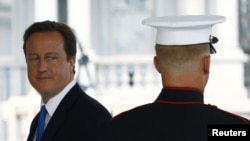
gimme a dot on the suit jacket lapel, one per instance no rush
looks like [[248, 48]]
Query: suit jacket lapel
[[61, 113], [33, 129]]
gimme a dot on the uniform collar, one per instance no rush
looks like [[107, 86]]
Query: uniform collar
[[173, 95]]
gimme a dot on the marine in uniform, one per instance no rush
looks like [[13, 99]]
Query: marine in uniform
[[179, 112]]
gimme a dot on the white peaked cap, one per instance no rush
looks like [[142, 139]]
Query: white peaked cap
[[183, 29]]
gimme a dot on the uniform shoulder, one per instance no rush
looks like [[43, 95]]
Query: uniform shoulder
[[231, 115], [135, 112]]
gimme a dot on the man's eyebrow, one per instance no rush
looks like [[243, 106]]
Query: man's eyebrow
[[51, 53], [32, 54]]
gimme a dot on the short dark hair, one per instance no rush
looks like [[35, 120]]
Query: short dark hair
[[46, 26]]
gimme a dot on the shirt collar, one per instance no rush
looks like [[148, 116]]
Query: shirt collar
[[53, 103]]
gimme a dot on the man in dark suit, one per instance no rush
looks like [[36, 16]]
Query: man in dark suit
[[70, 114], [183, 47]]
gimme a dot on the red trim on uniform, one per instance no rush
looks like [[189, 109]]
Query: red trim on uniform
[[176, 102], [237, 116], [183, 88]]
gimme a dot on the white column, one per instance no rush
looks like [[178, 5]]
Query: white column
[[187, 7], [45, 10], [226, 83], [22, 16]]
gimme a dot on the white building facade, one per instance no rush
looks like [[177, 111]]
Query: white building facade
[[116, 53]]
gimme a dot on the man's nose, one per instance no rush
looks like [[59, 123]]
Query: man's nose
[[42, 66]]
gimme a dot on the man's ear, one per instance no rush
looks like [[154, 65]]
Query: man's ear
[[206, 64], [156, 64], [72, 62]]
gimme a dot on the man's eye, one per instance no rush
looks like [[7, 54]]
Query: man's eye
[[51, 58], [33, 59]]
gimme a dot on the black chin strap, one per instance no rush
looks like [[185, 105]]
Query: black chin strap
[[212, 40]]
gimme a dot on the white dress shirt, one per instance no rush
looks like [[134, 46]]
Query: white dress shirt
[[53, 103]]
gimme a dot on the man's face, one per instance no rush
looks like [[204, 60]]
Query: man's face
[[48, 69]]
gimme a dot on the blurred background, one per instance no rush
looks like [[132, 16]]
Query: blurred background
[[115, 54]]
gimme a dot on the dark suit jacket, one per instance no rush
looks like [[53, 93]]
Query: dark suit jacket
[[77, 117], [176, 115]]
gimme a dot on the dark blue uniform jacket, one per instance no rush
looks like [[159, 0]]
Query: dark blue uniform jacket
[[176, 115]]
